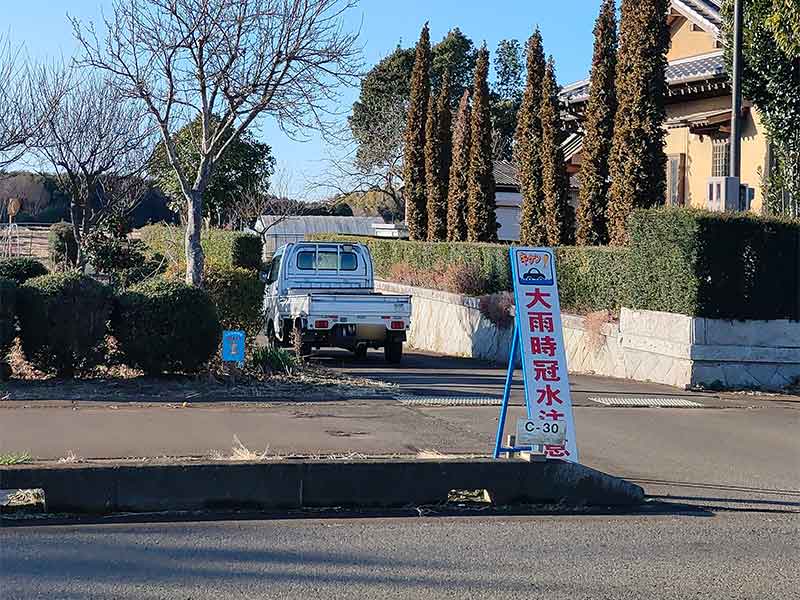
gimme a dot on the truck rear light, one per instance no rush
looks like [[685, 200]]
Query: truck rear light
[[320, 324], [398, 325]]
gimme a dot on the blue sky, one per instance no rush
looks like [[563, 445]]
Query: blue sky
[[566, 27]]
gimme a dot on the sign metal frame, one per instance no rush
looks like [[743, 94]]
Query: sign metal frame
[[534, 277]]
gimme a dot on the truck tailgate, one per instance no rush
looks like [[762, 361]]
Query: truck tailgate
[[367, 305]]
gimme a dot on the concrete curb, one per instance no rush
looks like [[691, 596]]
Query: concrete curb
[[319, 483]]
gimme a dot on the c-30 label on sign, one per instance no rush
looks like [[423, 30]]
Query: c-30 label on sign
[[536, 433]]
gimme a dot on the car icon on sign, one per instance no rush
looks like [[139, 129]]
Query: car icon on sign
[[533, 274]]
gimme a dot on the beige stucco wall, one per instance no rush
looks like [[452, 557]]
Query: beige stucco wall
[[698, 150], [685, 43]]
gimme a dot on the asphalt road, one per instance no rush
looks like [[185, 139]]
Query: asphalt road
[[730, 555], [742, 452], [727, 476]]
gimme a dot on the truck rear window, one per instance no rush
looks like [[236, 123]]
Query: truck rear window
[[326, 261]]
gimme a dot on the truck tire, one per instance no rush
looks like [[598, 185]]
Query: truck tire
[[393, 351], [360, 351], [272, 339]]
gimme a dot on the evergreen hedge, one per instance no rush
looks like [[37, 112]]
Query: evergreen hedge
[[589, 278], [61, 245], [21, 269], [63, 322], [716, 265], [238, 295], [732, 266], [221, 247], [166, 327], [8, 330]]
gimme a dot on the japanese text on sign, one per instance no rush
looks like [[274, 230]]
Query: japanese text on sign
[[550, 422]]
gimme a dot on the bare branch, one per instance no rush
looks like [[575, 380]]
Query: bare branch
[[96, 143], [228, 62]]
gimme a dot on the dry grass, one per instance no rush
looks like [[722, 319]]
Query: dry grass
[[19, 498], [70, 457], [594, 322], [240, 452], [426, 454]]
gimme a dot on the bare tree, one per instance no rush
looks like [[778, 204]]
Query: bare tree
[[374, 162], [96, 143], [19, 120], [227, 62]]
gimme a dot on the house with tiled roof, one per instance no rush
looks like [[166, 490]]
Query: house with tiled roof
[[508, 200], [698, 107]]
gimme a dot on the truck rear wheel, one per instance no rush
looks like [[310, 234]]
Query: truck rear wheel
[[360, 351], [393, 351]]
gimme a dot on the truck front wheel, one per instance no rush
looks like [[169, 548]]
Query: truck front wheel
[[393, 351]]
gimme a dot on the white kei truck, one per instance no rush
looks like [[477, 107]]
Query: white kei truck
[[323, 294]]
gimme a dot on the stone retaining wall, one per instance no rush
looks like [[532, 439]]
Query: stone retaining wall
[[644, 345]]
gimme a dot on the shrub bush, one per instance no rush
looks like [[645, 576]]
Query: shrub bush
[[456, 277], [221, 248], [716, 265], [21, 269], [589, 278], [499, 309], [246, 251], [62, 246], [238, 295], [8, 302], [166, 327], [63, 322]]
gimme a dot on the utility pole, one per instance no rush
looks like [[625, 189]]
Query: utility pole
[[736, 92]]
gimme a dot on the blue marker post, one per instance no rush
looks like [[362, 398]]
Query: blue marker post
[[233, 351]]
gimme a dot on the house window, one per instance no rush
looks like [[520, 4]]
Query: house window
[[676, 175], [720, 156]]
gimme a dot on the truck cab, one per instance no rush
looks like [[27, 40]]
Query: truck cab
[[321, 294]]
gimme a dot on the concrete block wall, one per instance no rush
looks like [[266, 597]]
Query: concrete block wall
[[644, 345]]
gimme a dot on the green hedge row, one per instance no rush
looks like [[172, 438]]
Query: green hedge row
[[589, 278], [716, 265], [221, 248], [686, 261]]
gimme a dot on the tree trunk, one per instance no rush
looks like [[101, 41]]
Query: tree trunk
[[194, 251], [76, 215]]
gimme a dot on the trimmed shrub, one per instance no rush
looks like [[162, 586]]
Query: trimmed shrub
[[589, 278], [238, 295], [62, 246], [221, 248], [8, 302], [166, 327], [246, 251], [716, 265], [21, 269], [63, 321]]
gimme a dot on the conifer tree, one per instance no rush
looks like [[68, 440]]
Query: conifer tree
[[438, 156], [599, 127], [481, 217], [459, 171], [527, 139], [555, 183], [414, 150], [638, 162]]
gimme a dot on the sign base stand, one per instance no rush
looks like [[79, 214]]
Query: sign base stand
[[511, 448]]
